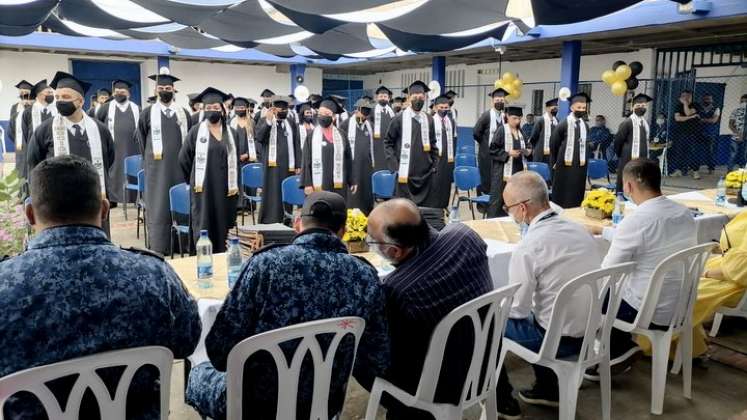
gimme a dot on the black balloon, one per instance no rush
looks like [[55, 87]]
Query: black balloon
[[632, 83], [617, 64], [636, 68]]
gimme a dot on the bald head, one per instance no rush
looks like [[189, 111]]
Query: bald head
[[397, 227]]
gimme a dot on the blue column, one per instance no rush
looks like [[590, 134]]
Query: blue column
[[295, 71], [438, 71], [570, 62], [163, 61]]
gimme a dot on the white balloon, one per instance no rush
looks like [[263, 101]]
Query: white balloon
[[435, 89], [163, 71], [301, 93], [564, 93]]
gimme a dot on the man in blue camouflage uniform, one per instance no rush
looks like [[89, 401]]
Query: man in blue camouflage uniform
[[73, 293], [314, 278]]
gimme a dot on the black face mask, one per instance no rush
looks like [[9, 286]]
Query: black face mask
[[24, 97], [383, 102], [366, 112], [553, 112], [325, 121], [640, 111], [417, 104], [213, 116], [120, 98], [308, 119], [579, 114], [66, 108], [397, 108], [499, 106], [49, 99], [443, 113], [282, 115], [166, 96], [241, 114]]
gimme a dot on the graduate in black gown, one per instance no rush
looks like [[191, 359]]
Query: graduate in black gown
[[453, 112], [243, 124], [160, 141], [397, 104], [380, 118], [281, 157], [362, 143], [509, 151], [15, 124], [483, 133], [195, 109], [570, 154], [72, 132], [102, 97], [307, 122], [631, 139], [445, 129], [24, 97], [542, 131], [408, 153], [42, 108], [265, 107], [342, 114], [209, 161], [120, 116]]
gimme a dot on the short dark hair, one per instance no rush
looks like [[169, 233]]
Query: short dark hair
[[645, 172], [409, 234], [323, 218], [743, 97], [65, 189], [686, 91], [601, 116]]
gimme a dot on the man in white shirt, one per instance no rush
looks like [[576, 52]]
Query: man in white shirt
[[553, 251], [658, 228]]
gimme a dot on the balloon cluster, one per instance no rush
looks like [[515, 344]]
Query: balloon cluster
[[622, 77], [511, 84]]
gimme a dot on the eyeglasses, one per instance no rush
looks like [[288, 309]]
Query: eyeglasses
[[370, 241], [507, 208]]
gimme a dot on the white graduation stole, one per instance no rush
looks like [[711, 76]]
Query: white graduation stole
[[570, 143], [251, 147], [19, 131], [317, 167], [352, 132], [508, 145], [201, 159], [156, 135], [61, 144], [377, 118], [404, 155], [112, 113], [201, 116], [36, 118], [495, 116], [272, 157], [547, 132], [635, 151], [449, 136]]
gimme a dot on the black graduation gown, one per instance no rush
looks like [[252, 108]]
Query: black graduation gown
[[21, 161], [328, 159], [537, 141], [481, 134], [125, 144], [569, 182], [41, 147], [212, 209], [271, 209], [11, 134], [422, 164], [500, 157], [623, 146], [160, 176], [362, 170], [379, 149], [445, 172]]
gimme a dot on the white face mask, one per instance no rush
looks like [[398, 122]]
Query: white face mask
[[376, 248], [660, 121]]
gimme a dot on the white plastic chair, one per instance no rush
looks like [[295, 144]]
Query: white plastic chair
[[570, 370], [496, 304], [288, 376], [739, 311], [691, 261], [33, 380]]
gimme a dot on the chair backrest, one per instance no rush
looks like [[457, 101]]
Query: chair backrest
[[252, 175], [466, 177], [34, 380], [597, 285], [494, 307], [289, 374], [467, 149], [465, 159], [133, 164], [541, 168], [292, 192], [690, 263], [179, 201], [597, 168], [141, 181], [383, 184]]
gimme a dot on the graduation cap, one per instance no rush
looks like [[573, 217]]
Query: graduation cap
[[339, 99], [580, 97], [121, 84], [451, 94], [230, 97], [164, 79], [191, 97], [514, 111], [500, 92], [38, 87], [364, 103], [315, 98], [442, 99], [267, 93], [417, 87], [103, 91], [331, 104], [241, 101], [280, 101], [24, 85], [367, 97], [152, 99], [67, 80], [552, 102], [398, 99], [302, 107], [383, 89], [211, 96], [642, 98]]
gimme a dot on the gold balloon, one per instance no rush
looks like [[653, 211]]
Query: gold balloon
[[609, 77], [508, 77], [619, 87], [498, 83], [623, 72], [517, 84]]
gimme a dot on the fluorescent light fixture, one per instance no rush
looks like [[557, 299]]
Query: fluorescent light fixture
[[379, 13], [228, 48], [127, 10], [286, 39], [91, 31]]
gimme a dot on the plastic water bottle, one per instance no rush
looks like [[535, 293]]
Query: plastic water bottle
[[454, 215], [204, 261], [619, 212], [721, 193], [233, 257]]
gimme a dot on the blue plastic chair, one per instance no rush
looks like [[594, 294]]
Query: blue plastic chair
[[292, 193], [252, 176], [598, 169], [541, 168], [465, 159], [132, 165], [383, 184], [466, 149], [179, 204], [467, 178], [141, 205], [465, 142]]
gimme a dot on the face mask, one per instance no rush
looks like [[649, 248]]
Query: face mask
[[213, 116], [397, 108], [523, 226], [120, 98], [639, 111], [554, 112], [383, 102], [49, 99], [660, 121], [282, 115], [443, 113], [308, 118], [241, 114], [325, 121], [498, 105], [417, 104], [166, 96], [66, 108], [579, 114], [24, 97]]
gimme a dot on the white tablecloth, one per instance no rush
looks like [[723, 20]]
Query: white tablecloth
[[708, 225]]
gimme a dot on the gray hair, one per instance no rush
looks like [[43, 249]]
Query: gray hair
[[530, 186]]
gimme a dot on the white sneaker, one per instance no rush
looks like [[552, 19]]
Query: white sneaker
[[696, 175], [676, 173]]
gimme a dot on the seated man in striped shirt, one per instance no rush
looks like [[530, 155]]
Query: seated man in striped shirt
[[435, 273]]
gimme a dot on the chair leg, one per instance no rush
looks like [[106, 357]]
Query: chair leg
[[374, 401], [137, 229], [179, 238], [716, 324], [568, 394], [254, 221], [605, 385], [124, 205], [171, 243], [684, 360], [659, 360], [490, 408]]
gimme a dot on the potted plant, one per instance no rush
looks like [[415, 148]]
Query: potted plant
[[599, 204], [355, 231], [13, 231]]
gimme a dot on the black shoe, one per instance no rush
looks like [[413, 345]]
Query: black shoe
[[539, 396], [509, 409]]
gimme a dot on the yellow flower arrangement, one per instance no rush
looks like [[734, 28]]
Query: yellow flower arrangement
[[355, 227], [734, 179], [600, 199]]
